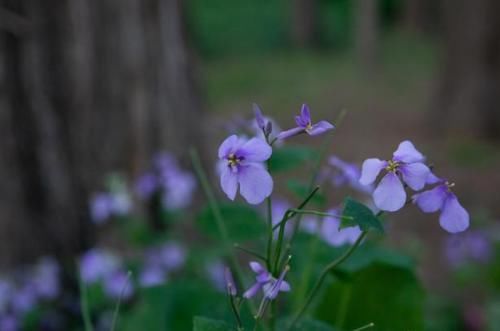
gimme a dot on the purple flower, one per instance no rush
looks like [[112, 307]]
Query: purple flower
[[304, 125], [24, 299], [9, 323], [146, 185], [407, 164], [97, 264], [266, 282], [118, 286], [152, 276], [348, 174], [6, 291], [169, 256], [259, 118], [471, 246], [230, 284], [178, 188], [264, 125], [454, 218], [101, 207], [45, 278], [334, 235], [242, 165]]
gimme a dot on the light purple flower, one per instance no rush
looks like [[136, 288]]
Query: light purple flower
[[178, 188], [170, 256], [146, 185], [152, 276], [101, 207], [6, 292], [45, 278], [242, 165], [406, 165], [215, 272], [118, 286], [334, 235], [266, 282], [348, 174], [454, 218], [24, 299], [472, 246], [230, 283], [305, 125], [9, 323], [97, 264]]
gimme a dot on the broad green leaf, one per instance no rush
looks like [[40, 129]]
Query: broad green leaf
[[207, 324], [360, 215], [391, 297], [290, 157], [242, 222]]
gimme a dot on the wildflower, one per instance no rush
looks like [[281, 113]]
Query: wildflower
[[9, 323], [266, 282], [264, 124], [407, 164], [454, 218], [348, 174], [104, 205], [472, 246], [242, 164], [304, 125], [117, 285], [151, 276], [230, 284], [96, 264], [45, 278], [24, 299]]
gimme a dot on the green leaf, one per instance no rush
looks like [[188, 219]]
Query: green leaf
[[242, 222], [360, 215], [207, 324], [305, 325], [290, 157], [302, 190], [388, 296]]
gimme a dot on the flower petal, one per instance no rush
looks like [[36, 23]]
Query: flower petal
[[370, 170], [454, 218], [433, 179], [407, 153], [285, 287], [229, 182], [390, 194], [432, 200], [228, 146], [305, 116], [290, 133], [252, 291], [256, 183], [257, 267], [255, 150], [415, 175], [320, 127], [259, 118]]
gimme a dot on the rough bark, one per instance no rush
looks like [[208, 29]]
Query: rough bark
[[86, 87]]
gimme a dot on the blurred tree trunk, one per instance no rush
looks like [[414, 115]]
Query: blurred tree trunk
[[366, 33], [86, 87], [303, 28], [468, 97], [421, 15]]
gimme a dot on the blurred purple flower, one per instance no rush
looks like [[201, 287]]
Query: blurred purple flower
[[146, 185], [454, 218], [170, 256], [266, 282], [304, 125], [6, 292], [473, 246], [178, 188], [152, 276], [334, 235], [242, 165], [279, 208], [117, 285], [45, 278], [96, 264], [164, 160], [215, 271], [24, 299], [407, 164], [348, 174], [101, 207], [9, 323], [230, 283], [263, 126]]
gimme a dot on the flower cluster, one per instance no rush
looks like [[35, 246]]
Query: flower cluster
[[407, 169]]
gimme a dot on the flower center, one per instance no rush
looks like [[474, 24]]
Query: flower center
[[449, 185], [233, 160], [392, 166], [309, 126]]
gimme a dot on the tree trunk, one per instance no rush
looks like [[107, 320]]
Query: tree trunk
[[303, 28], [469, 93], [86, 87]]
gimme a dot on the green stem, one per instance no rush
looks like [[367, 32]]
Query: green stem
[[84, 303], [323, 275], [118, 303], [364, 327], [316, 213], [270, 230], [251, 252], [219, 220]]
